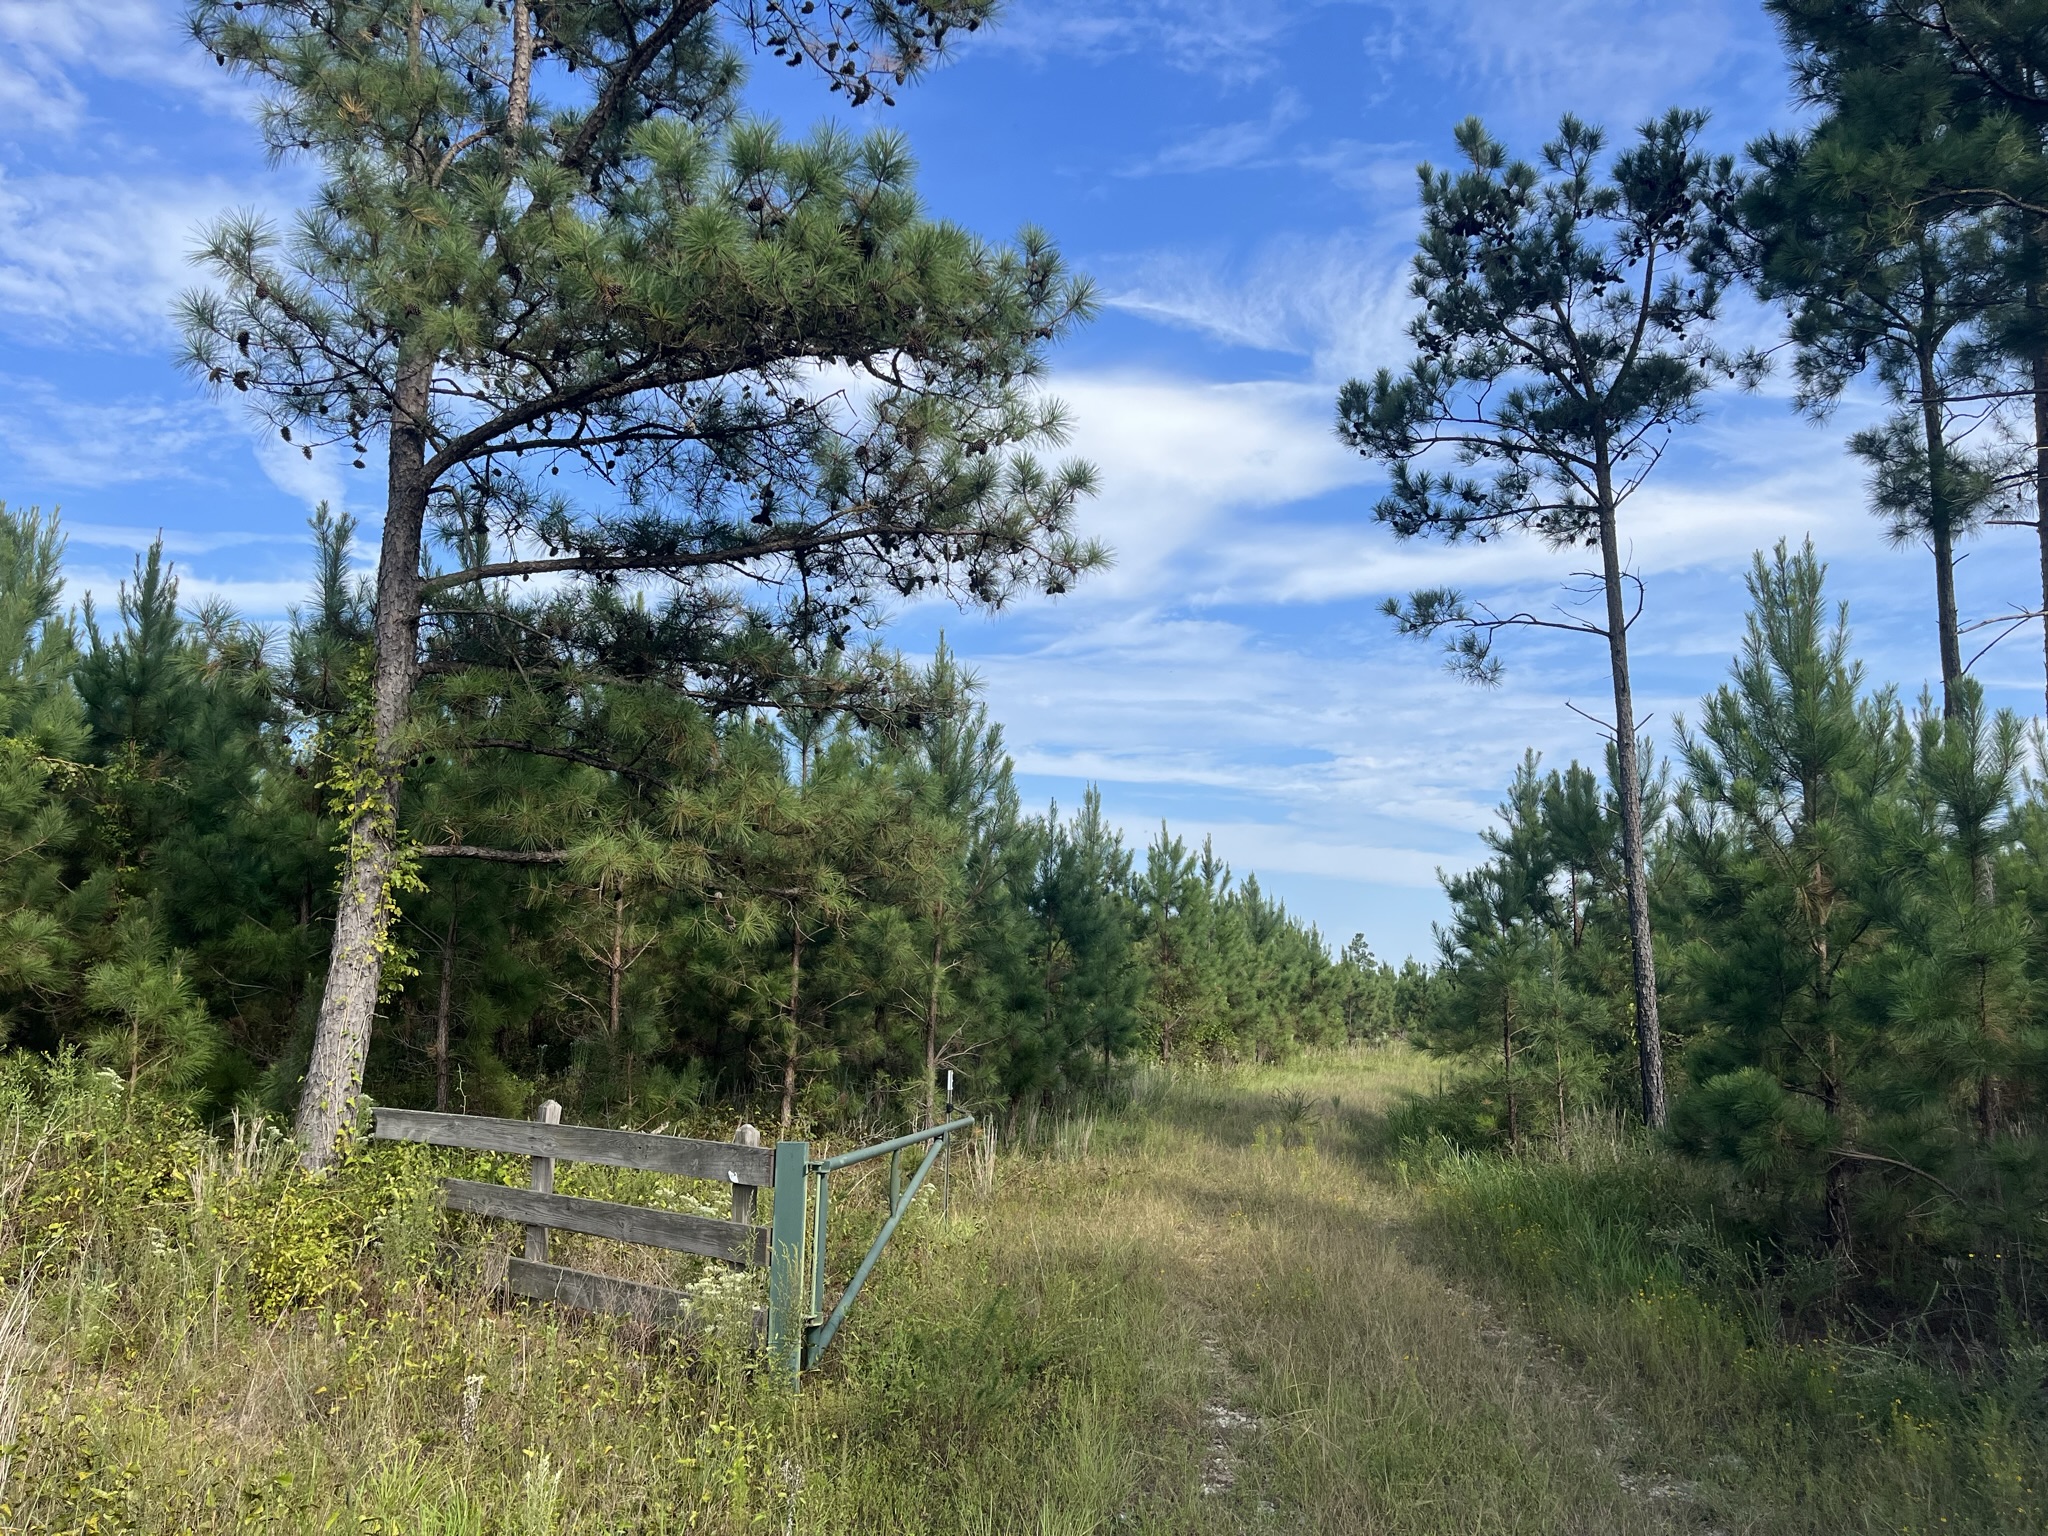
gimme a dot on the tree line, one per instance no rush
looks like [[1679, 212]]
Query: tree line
[[1823, 908], [1850, 911], [650, 904], [1570, 319]]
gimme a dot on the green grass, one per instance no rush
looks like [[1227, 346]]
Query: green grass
[[1231, 1308], [1613, 1255]]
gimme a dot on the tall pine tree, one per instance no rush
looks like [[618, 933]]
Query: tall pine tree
[[597, 326], [1566, 331]]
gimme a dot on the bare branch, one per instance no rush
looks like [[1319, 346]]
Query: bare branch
[[496, 855]]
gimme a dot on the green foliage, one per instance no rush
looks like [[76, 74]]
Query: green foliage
[[1566, 331], [157, 1031], [1654, 1271], [685, 899], [114, 1174], [1849, 911], [640, 284]]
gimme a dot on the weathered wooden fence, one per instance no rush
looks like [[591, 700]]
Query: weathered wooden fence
[[792, 1246]]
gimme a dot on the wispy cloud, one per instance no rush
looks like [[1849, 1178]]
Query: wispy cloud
[[46, 46], [259, 601], [1232, 40], [1175, 454], [1228, 146], [1613, 61], [180, 543], [1340, 301], [56, 442], [99, 258]]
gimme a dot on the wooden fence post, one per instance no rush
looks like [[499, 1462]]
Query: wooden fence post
[[786, 1260], [549, 1113], [743, 1194]]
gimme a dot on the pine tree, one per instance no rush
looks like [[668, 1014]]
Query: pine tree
[[1970, 71], [1788, 1066], [634, 284], [1086, 972], [1881, 269], [1565, 333], [965, 801], [42, 739], [1176, 919], [1956, 998], [1583, 830]]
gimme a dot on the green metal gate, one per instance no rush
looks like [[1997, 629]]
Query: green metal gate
[[799, 1330], [793, 1245]]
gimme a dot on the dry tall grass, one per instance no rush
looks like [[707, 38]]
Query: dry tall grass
[[1214, 1313]]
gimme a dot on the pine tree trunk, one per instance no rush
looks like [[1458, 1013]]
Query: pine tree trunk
[[1990, 1093], [520, 87], [1559, 1052], [1841, 1230], [442, 1008], [615, 964], [355, 961], [796, 972], [1841, 1234], [931, 1018], [1629, 788], [1507, 1070], [2041, 498], [1941, 534]]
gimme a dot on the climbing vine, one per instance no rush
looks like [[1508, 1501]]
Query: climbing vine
[[359, 797]]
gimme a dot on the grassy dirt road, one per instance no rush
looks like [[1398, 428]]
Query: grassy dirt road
[[1207, 1315], [1232, 1307]]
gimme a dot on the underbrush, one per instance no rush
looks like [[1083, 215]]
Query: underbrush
[[195, 1336], [1738, 1356]]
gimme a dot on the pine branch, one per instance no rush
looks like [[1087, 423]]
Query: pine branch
[[1847, 1155], [496, 855], [625, 77]]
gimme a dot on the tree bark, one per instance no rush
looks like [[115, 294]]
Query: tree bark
[[1941, 534], [2041, 497], [796, 973], [1507, 1069], [931, 1020], [442, 1008], [355, 962], [1558, 1051], [1629, 789], [520, 88], [615, 963], [1840, 1225]]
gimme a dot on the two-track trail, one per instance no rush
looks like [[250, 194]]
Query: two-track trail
[[1218, 1324], [1353, 1389]]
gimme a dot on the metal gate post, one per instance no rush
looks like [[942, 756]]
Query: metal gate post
[[786, 1259]]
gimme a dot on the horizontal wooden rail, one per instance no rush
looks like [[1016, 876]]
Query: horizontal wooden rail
[[596, 1293], [714, 1239], [726, 1161]]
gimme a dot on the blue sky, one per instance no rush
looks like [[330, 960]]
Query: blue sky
[[1238, 175]]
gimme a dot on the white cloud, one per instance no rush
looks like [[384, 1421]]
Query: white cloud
[[1341, 301], [180, 543], [1175, 453], [259, 601], [45, 45], [1232, 40], [311, 481], [56, 443], [99, 258], [1614, 61], [1228, 146], [1268, 848]]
